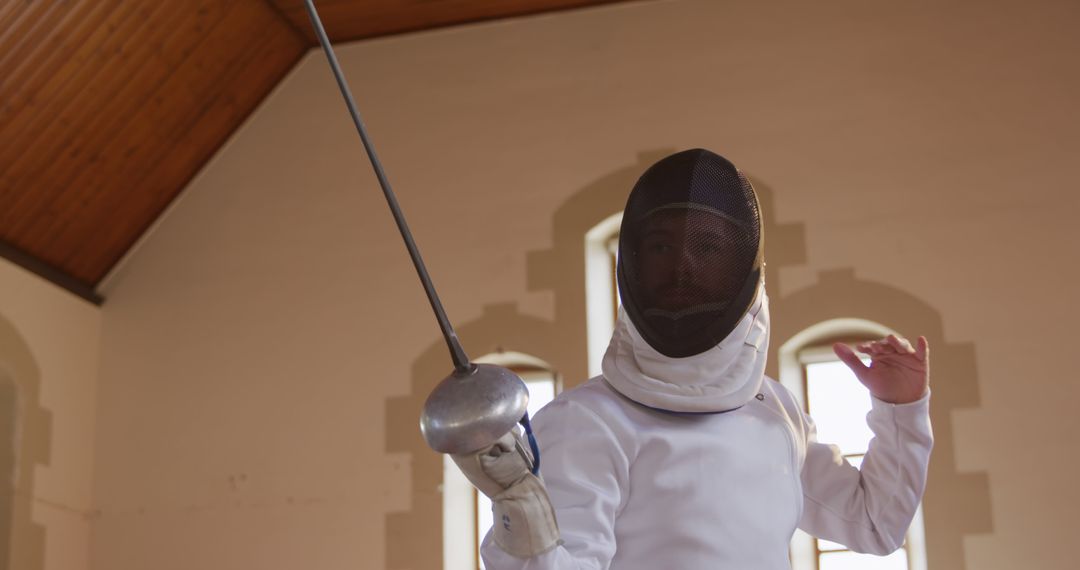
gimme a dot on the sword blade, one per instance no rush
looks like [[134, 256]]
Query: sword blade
[[457, 354]]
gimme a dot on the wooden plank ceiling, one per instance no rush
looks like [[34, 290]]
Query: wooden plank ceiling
[[108, 108]]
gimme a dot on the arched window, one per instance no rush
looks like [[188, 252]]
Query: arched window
[[601, 287], [831, 394], [466, 512]]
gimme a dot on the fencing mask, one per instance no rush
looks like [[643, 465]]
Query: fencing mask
[[690, 252], [690, 278]]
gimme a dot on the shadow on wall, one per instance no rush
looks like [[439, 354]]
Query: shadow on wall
[[956, 504], [24, 442]]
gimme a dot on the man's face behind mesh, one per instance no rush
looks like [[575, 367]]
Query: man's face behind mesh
[[688, 260]]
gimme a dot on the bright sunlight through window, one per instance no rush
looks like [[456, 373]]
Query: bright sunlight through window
[[839, 404], [836, 400]]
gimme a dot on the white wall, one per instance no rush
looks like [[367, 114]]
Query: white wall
[[257, 346]]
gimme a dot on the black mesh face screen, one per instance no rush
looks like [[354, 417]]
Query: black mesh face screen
[[689, 252]]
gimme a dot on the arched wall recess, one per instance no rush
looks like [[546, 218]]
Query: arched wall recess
[[955, 504], [26, 429]]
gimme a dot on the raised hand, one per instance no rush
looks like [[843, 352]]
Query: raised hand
[[898, 373]]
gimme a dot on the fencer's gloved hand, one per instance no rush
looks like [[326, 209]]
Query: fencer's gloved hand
[[524, 518]]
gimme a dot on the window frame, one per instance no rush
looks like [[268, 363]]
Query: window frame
[[814, 345], [601, 288]]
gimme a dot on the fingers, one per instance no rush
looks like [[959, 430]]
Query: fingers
[[923, 351], [901, 345], [848, 357], [874, 348], [891, 344]]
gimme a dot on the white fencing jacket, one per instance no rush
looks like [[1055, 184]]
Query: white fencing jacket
[[639, 489]]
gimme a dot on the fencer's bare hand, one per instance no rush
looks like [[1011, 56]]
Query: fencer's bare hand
[[898, 372]]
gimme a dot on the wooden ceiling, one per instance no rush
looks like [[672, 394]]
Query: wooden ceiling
[[108, 108]]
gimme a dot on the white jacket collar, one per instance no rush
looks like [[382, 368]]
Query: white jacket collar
[[720, 379]]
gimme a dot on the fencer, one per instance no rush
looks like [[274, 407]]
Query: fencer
[[682, 454]]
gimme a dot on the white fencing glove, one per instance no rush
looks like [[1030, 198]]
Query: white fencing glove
[[524, 518]]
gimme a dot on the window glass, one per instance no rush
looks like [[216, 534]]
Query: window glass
[[540, 393], [853, 561], [826, 545], [839, 404]]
